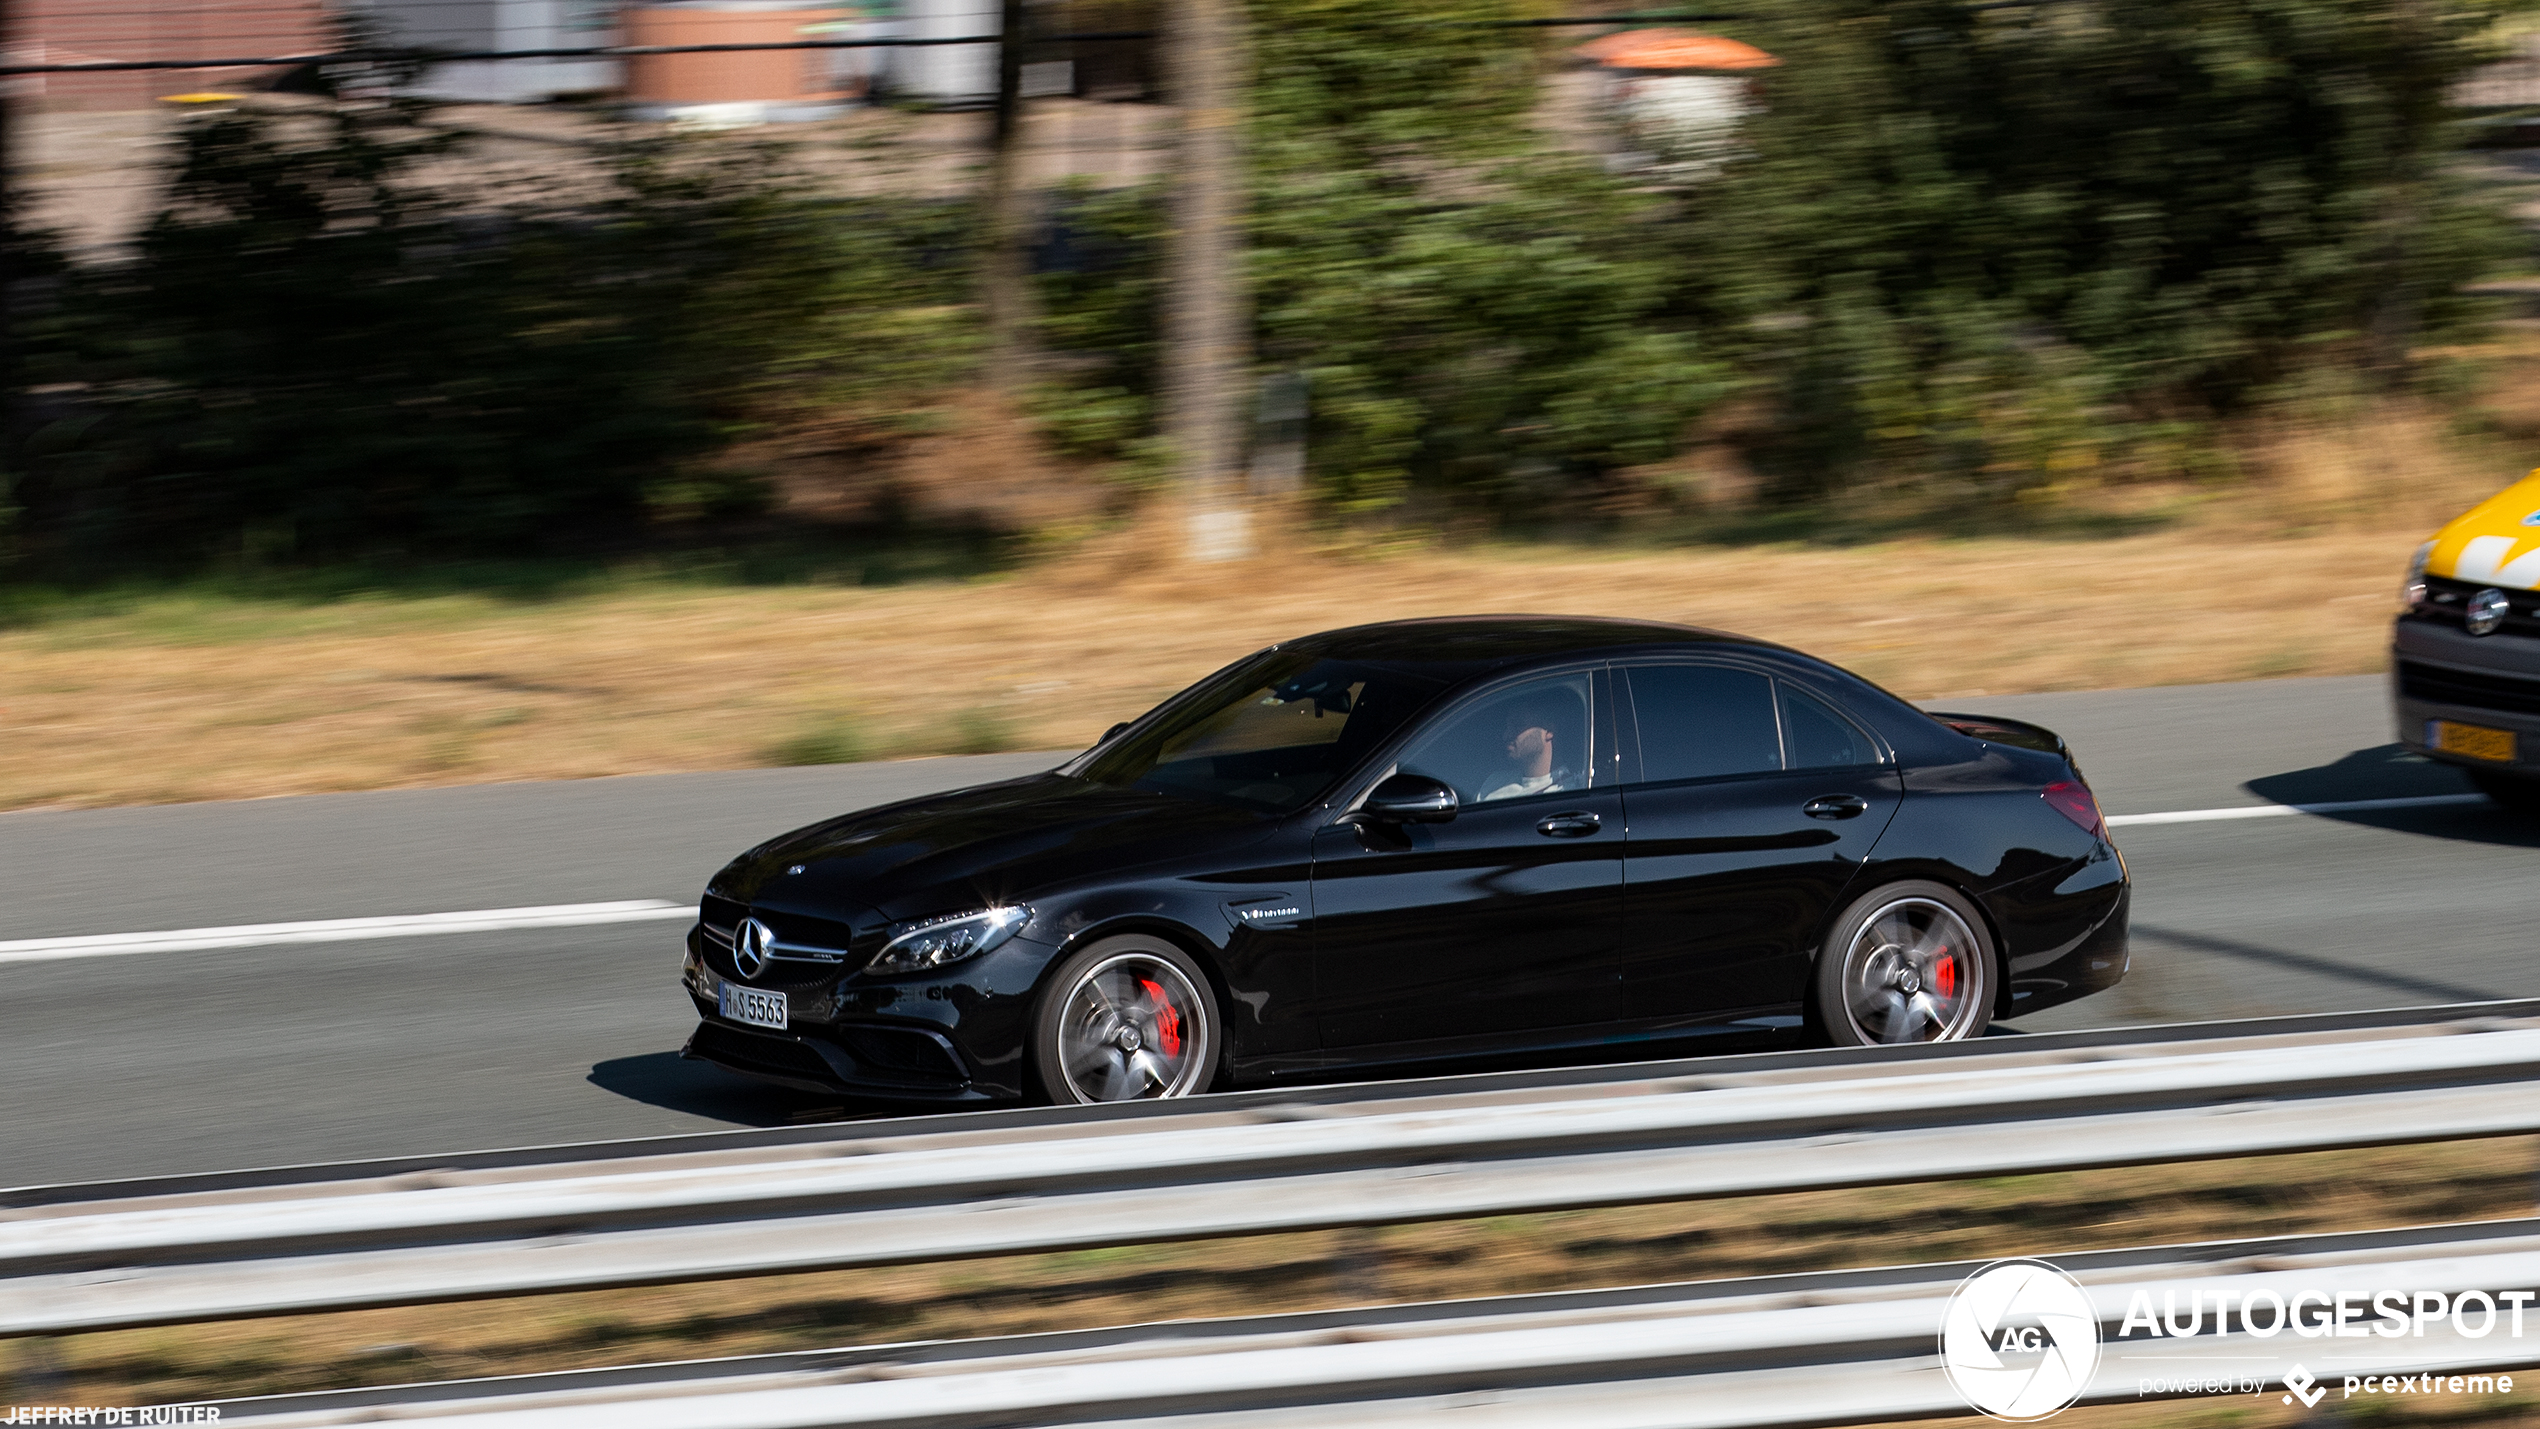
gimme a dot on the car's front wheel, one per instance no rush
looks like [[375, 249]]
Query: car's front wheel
[[1908, 963], [1129, 1018]]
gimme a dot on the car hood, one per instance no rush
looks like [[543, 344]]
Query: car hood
[[2496, 542], [977, 847]]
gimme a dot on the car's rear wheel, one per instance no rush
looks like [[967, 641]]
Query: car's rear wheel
[[2515, 793], [1128, 1019], [1908, 963]]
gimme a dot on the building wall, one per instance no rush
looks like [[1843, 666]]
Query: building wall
[[477, 25], [69, 31]]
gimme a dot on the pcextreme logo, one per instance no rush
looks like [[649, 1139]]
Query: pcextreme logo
[[2020, 1340]]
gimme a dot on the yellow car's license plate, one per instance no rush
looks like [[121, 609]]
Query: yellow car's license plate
[[2474, 740]]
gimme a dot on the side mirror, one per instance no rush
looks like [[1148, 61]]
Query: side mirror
[[1409, 799]]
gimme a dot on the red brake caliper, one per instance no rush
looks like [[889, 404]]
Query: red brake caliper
[[1168, 1023], [1944, 978]]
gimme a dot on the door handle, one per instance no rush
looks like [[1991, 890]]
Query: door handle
[[1836, 806], [1576, 824]]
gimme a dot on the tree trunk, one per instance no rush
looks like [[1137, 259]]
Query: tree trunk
[[1005, 270], [1206, 333]]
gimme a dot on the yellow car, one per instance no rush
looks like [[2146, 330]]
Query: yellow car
[[2465, 654]]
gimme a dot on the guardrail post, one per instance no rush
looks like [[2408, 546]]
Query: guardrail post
[[1358, 1267], [39, 1373]]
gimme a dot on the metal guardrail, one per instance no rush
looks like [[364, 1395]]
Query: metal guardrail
[[1825, 1348], [867, 1196], [1021, 1121]]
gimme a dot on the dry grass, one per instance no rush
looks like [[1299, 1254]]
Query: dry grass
[[2026, 1215], [187, 698], [163, 706]]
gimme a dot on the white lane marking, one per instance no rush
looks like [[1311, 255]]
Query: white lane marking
[[338, 930], [2278, 811], [645, 910]]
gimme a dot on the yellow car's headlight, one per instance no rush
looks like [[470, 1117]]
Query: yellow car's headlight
[[2412, 590]]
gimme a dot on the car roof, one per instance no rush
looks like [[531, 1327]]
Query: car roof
[[1460, 650], [1468, 644]]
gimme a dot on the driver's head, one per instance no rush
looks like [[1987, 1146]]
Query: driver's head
[[1527, 732]]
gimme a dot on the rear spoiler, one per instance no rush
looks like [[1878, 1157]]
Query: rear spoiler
[[2016, 732]]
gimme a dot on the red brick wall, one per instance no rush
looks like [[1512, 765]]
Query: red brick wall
[[68, 31]]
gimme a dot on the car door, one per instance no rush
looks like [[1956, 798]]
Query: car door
[[1502, 922], [1752, 803]]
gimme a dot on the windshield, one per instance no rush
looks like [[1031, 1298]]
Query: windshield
[[1271, 733]]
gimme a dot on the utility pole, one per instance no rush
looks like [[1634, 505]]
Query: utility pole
[[1005, 270], [1207, 349]]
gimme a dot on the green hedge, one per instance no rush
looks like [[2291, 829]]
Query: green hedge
[[1972, 253], [1991, 249], [310, 356], [1978, 253]]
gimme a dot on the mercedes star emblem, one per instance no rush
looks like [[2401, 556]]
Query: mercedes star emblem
[[751, 944]]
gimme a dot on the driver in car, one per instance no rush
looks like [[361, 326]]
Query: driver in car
[[1527, 733]]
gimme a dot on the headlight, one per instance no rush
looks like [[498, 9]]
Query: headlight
[[933, 942], [2412, 590]]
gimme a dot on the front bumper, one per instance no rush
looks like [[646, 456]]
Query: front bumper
[[825, 1063], [957, 1036], [2438, 672]]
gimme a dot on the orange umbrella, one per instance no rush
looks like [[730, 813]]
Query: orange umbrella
[[1674, 49]]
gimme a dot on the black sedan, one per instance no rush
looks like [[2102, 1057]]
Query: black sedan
[[1426, 844]]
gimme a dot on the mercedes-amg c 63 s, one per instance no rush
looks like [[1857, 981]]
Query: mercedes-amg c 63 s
[[1421, 845]]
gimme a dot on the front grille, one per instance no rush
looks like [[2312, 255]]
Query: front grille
[[2470, 689], [902, 1050], [809, 950], [808, 983], [2447, 603], [716, 918]]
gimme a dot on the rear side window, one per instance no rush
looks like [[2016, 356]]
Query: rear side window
[[1817, 737], [1704, 721]]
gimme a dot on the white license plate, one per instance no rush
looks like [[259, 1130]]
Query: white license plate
[[748, 1004]]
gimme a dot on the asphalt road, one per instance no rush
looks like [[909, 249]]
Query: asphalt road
[[209, 1059]]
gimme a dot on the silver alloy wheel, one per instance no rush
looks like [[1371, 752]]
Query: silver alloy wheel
[[1914, 973], [1133, 1028]]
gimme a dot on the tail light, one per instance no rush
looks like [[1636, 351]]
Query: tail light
[[2072, 799]]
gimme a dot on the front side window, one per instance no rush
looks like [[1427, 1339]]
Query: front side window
[[1270, 733], [1529, 739]]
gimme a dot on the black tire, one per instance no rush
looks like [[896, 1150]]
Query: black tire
[[1130, 1018], [1907, 962], [2514, 793]]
